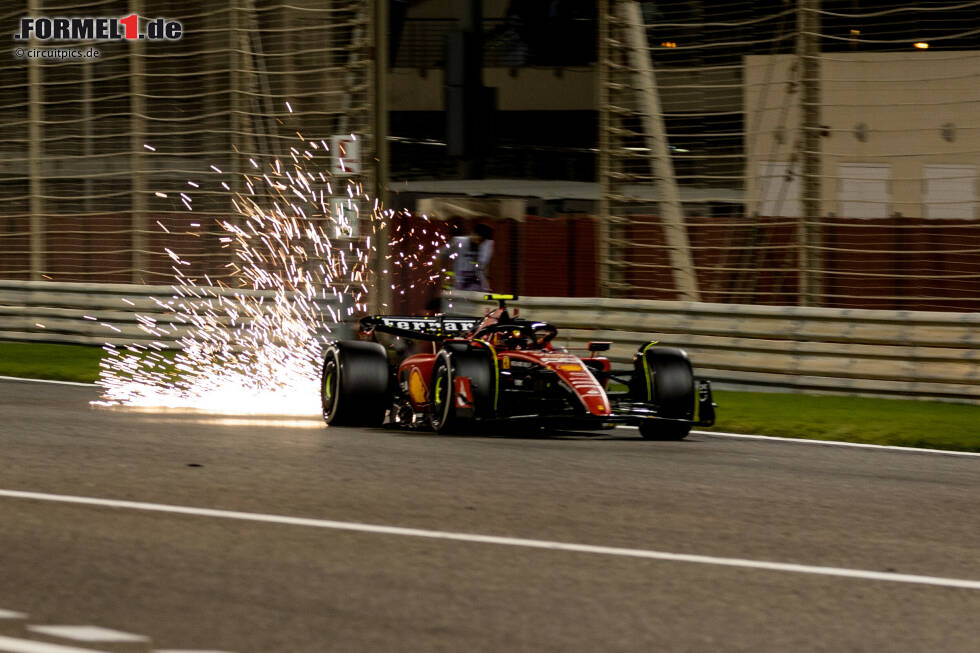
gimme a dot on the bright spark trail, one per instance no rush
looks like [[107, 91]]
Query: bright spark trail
[[254, 346]]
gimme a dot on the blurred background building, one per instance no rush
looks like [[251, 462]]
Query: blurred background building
[[779, 152]]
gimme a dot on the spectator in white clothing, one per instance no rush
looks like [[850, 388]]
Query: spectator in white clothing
[[470, 259]]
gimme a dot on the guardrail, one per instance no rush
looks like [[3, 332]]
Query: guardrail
[[854, 351], [95, 314]]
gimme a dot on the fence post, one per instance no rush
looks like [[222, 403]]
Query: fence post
[[808, 53], [602, 241], [35, 154], [672, 213], [137, 130], [234, 97], [381, 299]]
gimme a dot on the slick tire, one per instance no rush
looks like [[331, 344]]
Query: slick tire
[[670, 386], [354, 384], [478, 367]]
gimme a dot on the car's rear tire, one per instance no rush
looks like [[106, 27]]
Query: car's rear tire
[[668, 383], [478, 367], [354, 384]]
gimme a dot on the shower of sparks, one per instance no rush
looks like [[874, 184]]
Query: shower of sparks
[[254, 346]]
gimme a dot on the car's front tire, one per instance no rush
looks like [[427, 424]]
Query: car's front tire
[[478, 367], [444, 418], [354, 384], [668, 383]]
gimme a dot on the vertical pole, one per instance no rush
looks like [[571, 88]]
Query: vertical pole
[[88, 149], [286, 46], [234, 90], [254, 139], [382, 286], [137, 129], [808, 230], [35, 154], [238, 145], [671, 212], [602, 244], [475, 109]]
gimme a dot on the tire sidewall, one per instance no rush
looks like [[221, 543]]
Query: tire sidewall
[[331, 361], [668, 382], [360, 384], [442, 415]]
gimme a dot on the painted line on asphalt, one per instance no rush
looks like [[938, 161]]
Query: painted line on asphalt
[[838, 443], [830, 443], [17, 378], [570, 547], [91, 634], [16, 645], [10, 614], [748, 436]]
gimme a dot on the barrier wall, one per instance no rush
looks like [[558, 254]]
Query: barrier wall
[[94, 314], [854, 351]]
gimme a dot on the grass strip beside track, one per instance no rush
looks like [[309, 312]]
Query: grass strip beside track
[[37, 360], [897, 422]]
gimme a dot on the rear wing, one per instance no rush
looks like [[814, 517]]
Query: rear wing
[[420, 328]]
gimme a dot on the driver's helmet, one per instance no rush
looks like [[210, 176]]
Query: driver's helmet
[[515, 338]]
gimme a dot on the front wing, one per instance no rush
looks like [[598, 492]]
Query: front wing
[[623, 413]]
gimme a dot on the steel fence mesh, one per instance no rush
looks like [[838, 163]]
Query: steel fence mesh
[[812, 153], [109, 161]]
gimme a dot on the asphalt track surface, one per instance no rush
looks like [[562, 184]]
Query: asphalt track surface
[[207, 581]]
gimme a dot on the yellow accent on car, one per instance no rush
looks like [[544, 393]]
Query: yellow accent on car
[[646, 370], [416, 387], [570, 367], [505, 362], [497, 296]]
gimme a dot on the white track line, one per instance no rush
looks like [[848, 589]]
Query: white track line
[[17, 378], [15, 645], [835, 443], [831, 443], [90, 634], [838, 443], [501, 541], [10, 614]]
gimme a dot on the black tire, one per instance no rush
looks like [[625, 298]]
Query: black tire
[[476, 365], [354, 384], [669, 385]]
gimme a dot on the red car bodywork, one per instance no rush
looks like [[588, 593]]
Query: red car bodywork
[[502, 367], [414, 375]]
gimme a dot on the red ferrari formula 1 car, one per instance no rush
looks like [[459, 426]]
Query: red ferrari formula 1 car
[[505, 369]]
